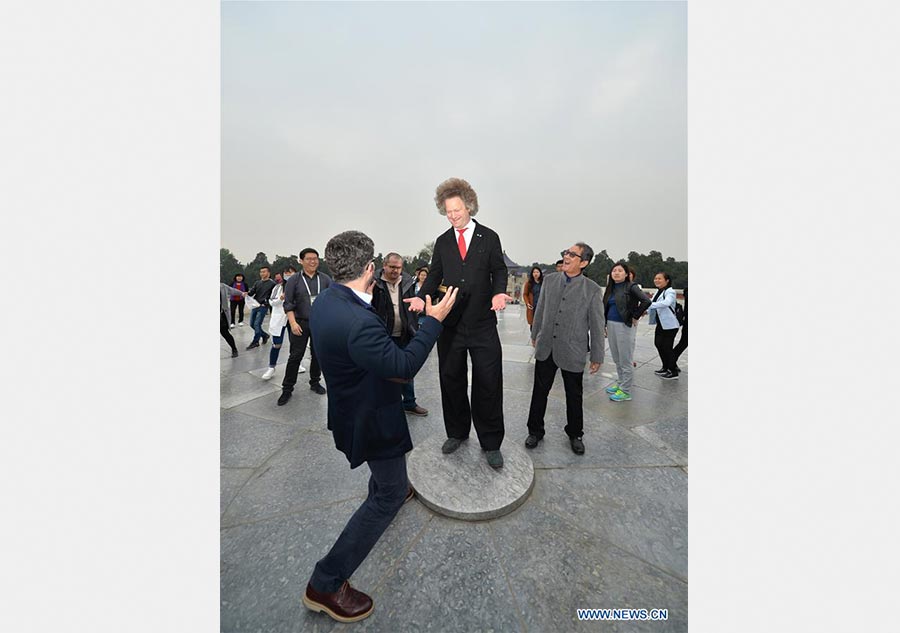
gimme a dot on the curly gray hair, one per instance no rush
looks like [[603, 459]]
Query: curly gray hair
[[348, 254], [455, 188]]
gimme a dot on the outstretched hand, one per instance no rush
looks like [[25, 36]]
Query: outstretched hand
[[415, 304], [499, 301], [442, 308]]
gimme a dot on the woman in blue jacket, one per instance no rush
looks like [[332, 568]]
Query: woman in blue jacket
[[662, 314]]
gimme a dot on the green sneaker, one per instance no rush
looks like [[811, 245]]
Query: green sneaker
[[612, 389], [620, 396]]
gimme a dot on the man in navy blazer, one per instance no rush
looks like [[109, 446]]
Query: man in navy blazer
[[469, 257], [364, 369]]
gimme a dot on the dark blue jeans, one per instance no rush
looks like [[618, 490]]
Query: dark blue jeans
[[276, 347], [388, 486], [256, 321], [409, 395]]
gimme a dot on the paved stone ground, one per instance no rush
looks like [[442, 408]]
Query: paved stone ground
[[607, 529]]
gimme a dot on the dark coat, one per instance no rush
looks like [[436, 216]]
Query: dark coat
[[630, 296], [359, 359], [479, 278], [381, 301]]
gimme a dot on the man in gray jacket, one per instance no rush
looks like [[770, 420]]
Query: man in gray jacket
[[571, 306]]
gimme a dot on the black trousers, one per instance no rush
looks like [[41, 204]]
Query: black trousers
[[665, 341], [298, 349], [223, 330], [682, 345], [482, 343], [239, 306], [544, 374]]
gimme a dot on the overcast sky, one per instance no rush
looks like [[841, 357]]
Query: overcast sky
[[568, 119]]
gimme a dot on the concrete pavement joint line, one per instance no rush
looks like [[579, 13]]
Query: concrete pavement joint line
[[493, 539], [264, 395], [406, 550], [656, 441], [610, 467], [618, 547], [289, 512], [222, 513], [258, 471]]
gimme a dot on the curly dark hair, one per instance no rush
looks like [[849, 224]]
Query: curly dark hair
[[348, 254], [456, 188]]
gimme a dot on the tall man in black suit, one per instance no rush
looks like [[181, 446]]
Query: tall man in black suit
[[468, 256]]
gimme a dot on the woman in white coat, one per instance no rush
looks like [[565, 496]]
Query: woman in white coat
[[277, 323], [662, 314]]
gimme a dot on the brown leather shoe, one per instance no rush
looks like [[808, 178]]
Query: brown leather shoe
[[345, 605], [417, 410], [410, 494]]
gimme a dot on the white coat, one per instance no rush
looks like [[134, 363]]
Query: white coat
[[664, 310]]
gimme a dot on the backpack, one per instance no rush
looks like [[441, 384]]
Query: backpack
[[679, 313]]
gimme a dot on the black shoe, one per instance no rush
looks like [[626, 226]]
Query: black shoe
[[450, 445], [577, 445], [494, 459], [234, 353], [318, 388], [669, 376], [265, 338], [532, 440], [660, 372], [284, 397], [252, 345]]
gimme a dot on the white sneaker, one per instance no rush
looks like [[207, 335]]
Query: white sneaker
[[301, 370], [268, 373], [231, 327], [241, 324]]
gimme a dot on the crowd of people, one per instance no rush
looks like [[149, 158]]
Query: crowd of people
[[370, 331]]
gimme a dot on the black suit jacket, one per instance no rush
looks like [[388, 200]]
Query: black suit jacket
[[481, 276]]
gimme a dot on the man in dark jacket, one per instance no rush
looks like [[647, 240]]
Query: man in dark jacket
[[260, 291], [391, 287], [365, 413], [300, 292], [469, 256]]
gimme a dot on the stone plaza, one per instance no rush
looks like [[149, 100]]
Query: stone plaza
[[607, 529]]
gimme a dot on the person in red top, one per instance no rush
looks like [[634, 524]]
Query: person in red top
[[237, 302]]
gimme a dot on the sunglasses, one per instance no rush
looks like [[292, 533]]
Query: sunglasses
[[570, 254]]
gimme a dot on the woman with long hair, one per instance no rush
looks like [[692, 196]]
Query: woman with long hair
[[631, 277], [532, 292], [421, 275], [662, 314], [623, 304]]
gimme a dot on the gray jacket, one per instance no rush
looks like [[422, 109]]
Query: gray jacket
[[564, 316], [225, 294]]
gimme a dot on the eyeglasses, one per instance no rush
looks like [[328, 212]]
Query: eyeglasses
[[570, 254]]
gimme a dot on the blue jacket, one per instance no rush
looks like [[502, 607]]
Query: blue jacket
[[359, 360], [664, 310]]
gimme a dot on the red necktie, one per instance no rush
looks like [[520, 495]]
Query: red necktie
[[462, 243]]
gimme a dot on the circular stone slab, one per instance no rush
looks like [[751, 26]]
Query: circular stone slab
[[461, 485]]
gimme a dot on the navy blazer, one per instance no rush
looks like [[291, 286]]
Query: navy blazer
[[482, 275], [358, 358]]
